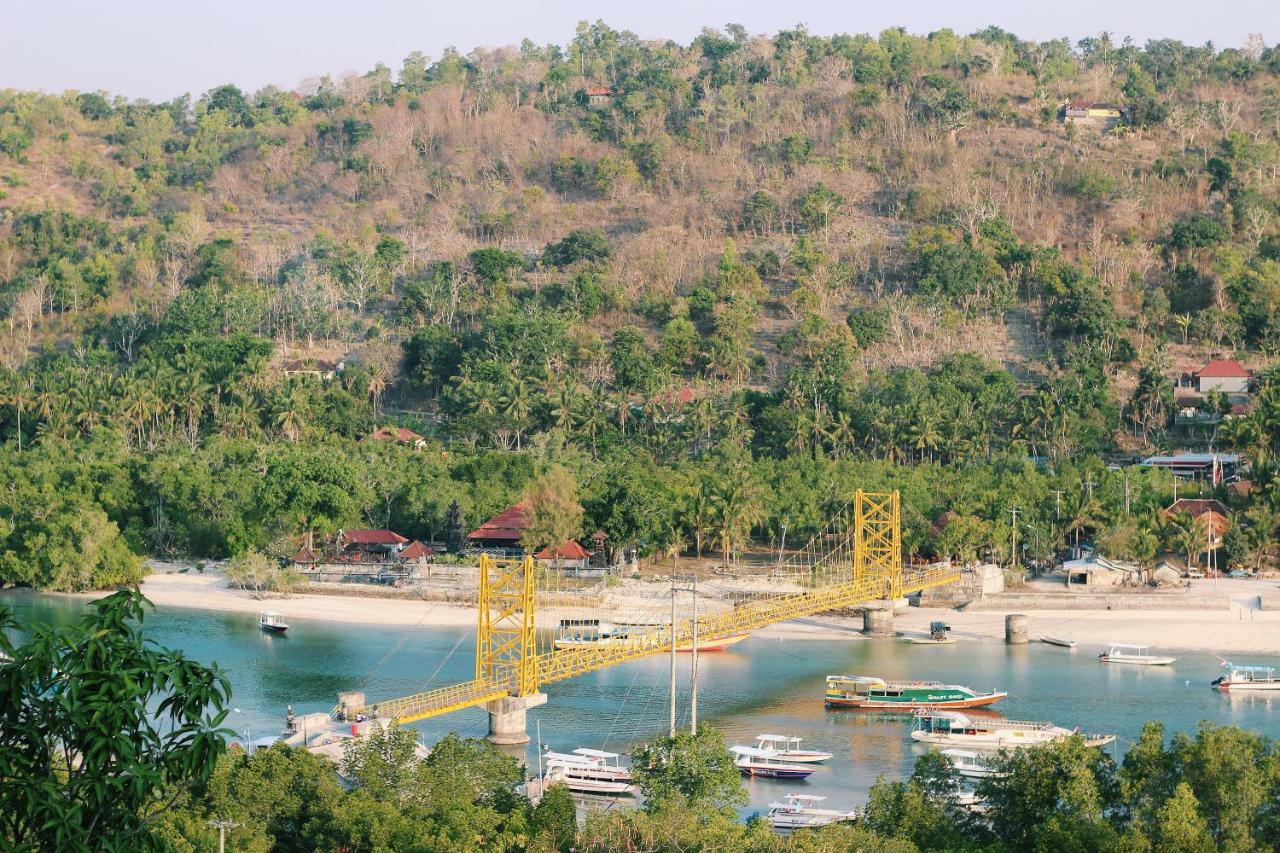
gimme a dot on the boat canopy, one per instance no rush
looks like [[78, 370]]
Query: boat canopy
[[594, 753], [566, 758], [778, 738], [871, 680], [1252, 669], [807, 798], [1133, 646], [754, 752]]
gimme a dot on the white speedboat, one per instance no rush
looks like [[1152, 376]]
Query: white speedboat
[[788, 749], [272, 623], [588, 771], [1133, 655], [798, 811], [1241, 677], [951, 728], [767, 763], [975, 765]]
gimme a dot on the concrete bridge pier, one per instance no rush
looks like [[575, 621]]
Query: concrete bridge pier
[[1015, 629], [878, 621], [507, 717]]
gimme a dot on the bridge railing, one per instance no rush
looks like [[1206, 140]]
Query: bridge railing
[[442, 700]]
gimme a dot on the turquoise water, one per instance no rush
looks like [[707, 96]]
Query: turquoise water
[[761, 685]]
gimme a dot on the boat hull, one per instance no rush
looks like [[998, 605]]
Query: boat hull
[[717, 645], [776, 772], [1246, 686], [929, 641], [803, 820], [1135, 660], [871, 704], [1057, 641], [274, 629]]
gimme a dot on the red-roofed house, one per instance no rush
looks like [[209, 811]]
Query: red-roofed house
[[568, 554], [503, 530], [599, 97], [1223, 375], [399, 435], [306, 558]]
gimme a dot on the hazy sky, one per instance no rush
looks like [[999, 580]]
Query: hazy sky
[[161, 48]]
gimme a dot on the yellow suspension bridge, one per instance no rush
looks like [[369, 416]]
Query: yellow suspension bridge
[[855, 560]]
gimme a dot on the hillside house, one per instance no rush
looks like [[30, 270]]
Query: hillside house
[[599, 97], [1224, 376], [1212, 468], [317, 367], [503, 531], [1098, 114], [399, 435]]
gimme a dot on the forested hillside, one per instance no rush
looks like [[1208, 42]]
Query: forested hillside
[[722, 283]]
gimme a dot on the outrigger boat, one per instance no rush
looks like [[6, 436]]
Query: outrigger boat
[[272, 623], [798, 811], [752, 761], [1133, 655], [949, 728], [788, 749], [1244, 677], [866, 691], [589, 771], [975, 765]]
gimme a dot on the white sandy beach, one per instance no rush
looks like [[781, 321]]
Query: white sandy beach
[[1238, 630]]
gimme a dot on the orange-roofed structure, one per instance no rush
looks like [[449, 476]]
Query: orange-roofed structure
[[568, 554]]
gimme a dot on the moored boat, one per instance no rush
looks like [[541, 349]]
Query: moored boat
[[752, 761], [950, 728], [788, 749], [272, 623], [717, 644], [975, 765], [1241, 677], [588, 771], [865, 691], [1059, 641], [798, 811], [1133, 655]]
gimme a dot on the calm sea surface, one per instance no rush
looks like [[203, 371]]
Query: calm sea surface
[[759, 686]]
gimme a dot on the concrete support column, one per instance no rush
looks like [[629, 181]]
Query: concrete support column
[[507, 717], [877, 622], [1015, 629]]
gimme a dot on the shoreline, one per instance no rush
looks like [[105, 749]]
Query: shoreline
[[1235, 629]]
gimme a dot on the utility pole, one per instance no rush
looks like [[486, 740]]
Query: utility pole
[[693, 689], [1057, 508], [1013, 547], [673, 655], [222, 826], [693, 697], [1126, 493]]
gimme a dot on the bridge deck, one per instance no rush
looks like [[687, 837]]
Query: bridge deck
[[747, 616]]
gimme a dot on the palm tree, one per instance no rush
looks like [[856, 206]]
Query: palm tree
[[19, 393], [738, 509], [377, 387], [1181, 533], [289, 418]]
